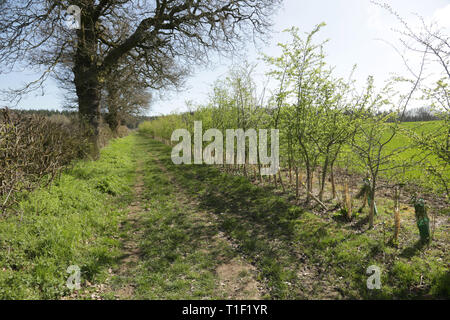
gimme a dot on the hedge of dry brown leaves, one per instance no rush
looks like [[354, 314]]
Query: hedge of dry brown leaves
[[33, 151]]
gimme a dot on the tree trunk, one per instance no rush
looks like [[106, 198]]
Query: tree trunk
[[113, 120], [333, 184], [324, 176], [308, 184], [290, 172], [372, 207], [319, 182], [88, 93], [86, 79], [259, 172]]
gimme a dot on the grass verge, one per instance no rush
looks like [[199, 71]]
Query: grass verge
[[75, 221]]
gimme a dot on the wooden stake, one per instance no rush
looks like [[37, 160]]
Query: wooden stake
[[281, 181], [396, 215], [347, 201]]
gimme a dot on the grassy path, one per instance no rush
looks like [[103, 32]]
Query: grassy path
[[171, 248], [244, 215], [131, 231]]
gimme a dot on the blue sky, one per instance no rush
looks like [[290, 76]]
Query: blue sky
[[354, 28]]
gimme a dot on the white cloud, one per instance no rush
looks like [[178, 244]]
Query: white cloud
[[442, 16]]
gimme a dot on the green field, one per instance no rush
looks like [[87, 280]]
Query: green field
[[414, 172]]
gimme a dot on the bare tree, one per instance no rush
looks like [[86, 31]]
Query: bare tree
[[125, 96], [34, 33]]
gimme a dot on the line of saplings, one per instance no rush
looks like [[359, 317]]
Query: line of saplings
[[35, 145], [292, 175], [325, 122]]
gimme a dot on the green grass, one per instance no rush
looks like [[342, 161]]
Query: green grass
[[179, 248], [414, 172], [298, 254], [73, 222], [174, 266], [281, 239], [401, 140]]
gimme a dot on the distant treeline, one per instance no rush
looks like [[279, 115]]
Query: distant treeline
[[412, 115], [130, 122], [417, 115], [420, 114], [45, 112]]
